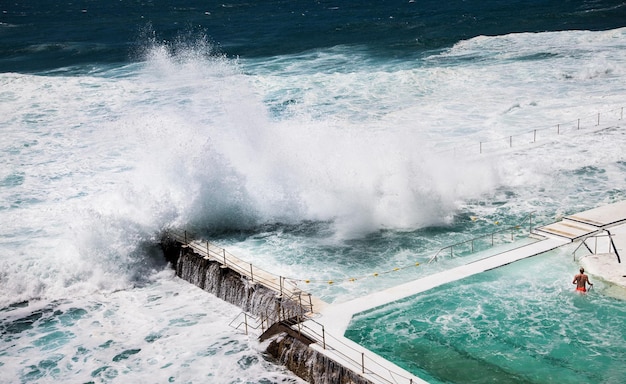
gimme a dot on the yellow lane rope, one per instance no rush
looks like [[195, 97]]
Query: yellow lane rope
[[353, 279], [375, 274]]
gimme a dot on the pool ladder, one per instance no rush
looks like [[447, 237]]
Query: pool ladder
[[609, 245]]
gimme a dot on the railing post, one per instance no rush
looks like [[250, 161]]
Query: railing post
[[614, 247], [323, 338], [245, 320], [362, 362], [280, 279], [185, 237], [208, 254], [251, 274], [224, 253], [281, 313]]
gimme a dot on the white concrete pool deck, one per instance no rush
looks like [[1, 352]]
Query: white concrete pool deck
[[333, 320]]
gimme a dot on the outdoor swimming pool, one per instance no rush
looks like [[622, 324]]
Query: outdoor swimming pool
[[521, 323]]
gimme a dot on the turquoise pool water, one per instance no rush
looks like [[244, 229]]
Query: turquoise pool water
[[522, 323]]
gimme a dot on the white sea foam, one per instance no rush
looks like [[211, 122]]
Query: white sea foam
[[169, 331], [185, 138]]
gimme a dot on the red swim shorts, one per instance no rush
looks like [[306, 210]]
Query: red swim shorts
[[581, 289]]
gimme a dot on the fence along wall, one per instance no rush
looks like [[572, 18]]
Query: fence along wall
[[227, 283], [541, 134]]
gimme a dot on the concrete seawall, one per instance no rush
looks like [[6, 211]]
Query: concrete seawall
[[287, 347], [310, 365]]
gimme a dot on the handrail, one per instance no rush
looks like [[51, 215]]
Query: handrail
[[583, 242], [258, 324], [471, 241], [277, 283], [611, 245], [320, 337], [614, 247], [530, 137], [358, 359], [287, 285]]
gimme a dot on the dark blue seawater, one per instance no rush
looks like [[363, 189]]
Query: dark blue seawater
[[42, 35]]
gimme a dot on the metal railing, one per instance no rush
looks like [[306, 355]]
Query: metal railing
[[598, 246], [279, 284], [270, 317], [488, 239], [360, 361], [543, 133], [249, 322], [262, 323]]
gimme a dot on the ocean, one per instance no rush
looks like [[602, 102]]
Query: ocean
[[322, 141]]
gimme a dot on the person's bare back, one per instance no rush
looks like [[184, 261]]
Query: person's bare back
[[581, 280]]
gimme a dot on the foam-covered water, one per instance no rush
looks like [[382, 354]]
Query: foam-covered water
[[170, 331], [328, 162]]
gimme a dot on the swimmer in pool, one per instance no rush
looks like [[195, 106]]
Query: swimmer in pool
[[581, 280]]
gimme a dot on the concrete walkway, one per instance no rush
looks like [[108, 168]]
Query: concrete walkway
[[584, 224], [341, 314]]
